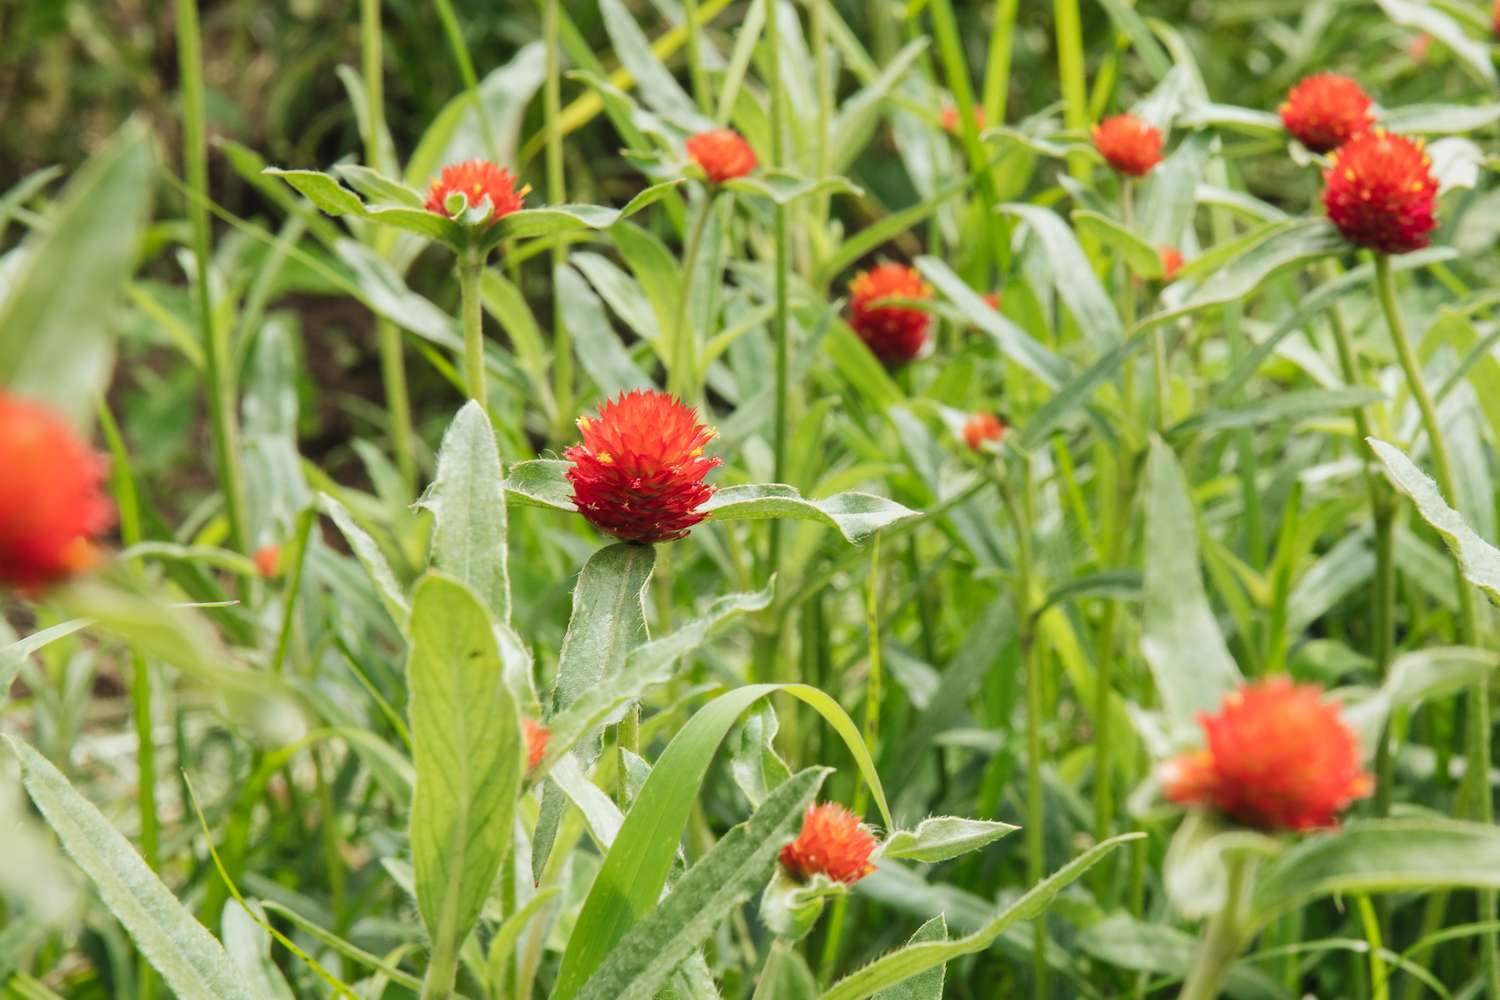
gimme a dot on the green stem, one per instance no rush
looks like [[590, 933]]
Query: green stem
[[1476, 775], [1221, 942], [997, 64], [470, 273], [562, 337], [455, 37], [684, 367], [442, 971], [195, 175], [1070, 70], [701, 91]]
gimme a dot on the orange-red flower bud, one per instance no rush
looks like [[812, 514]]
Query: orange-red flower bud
[[983, 427], [895, 333], [536, 741], [1171, 262], [1325, 111], [1381, 193], [1279, 757], [638, 473], [833, 843], [722, 153], [52, 500], [1128, 144], [267, 560], [476, 179]]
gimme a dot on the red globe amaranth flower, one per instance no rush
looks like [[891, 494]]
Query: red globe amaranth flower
[[833, 842], [1129, 145], [1279, 757], [1171, 262], [477, 178], [1380, 192], [1325, 111], [949, 118], [992, 299], [638, 475], [52, 499], [982, 427], [267, 559], [722, 153], [537, 736], [894, 333]]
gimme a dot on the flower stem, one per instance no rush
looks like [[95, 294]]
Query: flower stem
[[470, 273], [1476, 774], [681, 380], [215, 350], [1221, 941], [696, 74], [562, 338], [1070, 69], [442, 970], [997, 63]]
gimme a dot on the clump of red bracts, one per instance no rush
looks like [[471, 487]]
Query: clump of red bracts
[[1381, 193], [895, 333], [1325, 111], [832, 843]]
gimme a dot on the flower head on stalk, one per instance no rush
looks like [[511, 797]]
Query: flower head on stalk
[[948, 118], [476, 180], [722, 154], [832, 843], [1325, 111], [1278, 757], [1128, 144], [52, 500], [982, 428], [1380, 192], [638, 472], [895, 333], [1171, 262]]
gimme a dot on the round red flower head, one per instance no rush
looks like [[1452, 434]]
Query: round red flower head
[[1325, 111], [638, 474], [1279, 757], [1380, 192], [982, 427], [992, 299], [894, 333], [1171, 262], [536, 741], [476, 179], [267, 560], [1129, 145], [52, 499], [833, 843], [722, 153]]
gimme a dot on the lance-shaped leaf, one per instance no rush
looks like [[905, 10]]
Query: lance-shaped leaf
[[1415, 677], [1072, 275], [332, 198], [939, 838], [915, 959], [1179, 636], [729, 874], [553, 219], [188, 957], [367, 551], [1477, 558], [784, 188], [1281, 246], [1016, 343], [468, 510], [543, 483], [468, 752], [924, 985]]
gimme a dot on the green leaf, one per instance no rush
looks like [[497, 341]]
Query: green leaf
[[1077, 287], [1415, 677], [598, 347], [1179, 636], [541, 483], [57, 313], [636, 867], [1203, 114], [1143, 258], [653, 80], [1439, 119], [468, 510], [379, 188], [856, 516], [858, 364], [728, 875], [554, 219], [1123, 941], [939, 838], [249, 947], [1477, 558], [784, 188], [1468, 50], [13, 656], [468, 752], [1014, 342], [1296, 405], [1281, 246], [371, 558], [456, 135], [786, 975], [332, 198], [1370, 856], [924, 985], [1076, 393], [193, 964], [915, 959]]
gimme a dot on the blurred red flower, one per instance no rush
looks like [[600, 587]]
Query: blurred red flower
[[1325, 111], [982, 427], [638, 474], [895, 333], [536, 741], [1171, 262], [1381, 193], [267, 560], [722, 153], [833, 842], [949, 117], [476, 179], [1130, 145], [52, 499], [1279, 757]]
